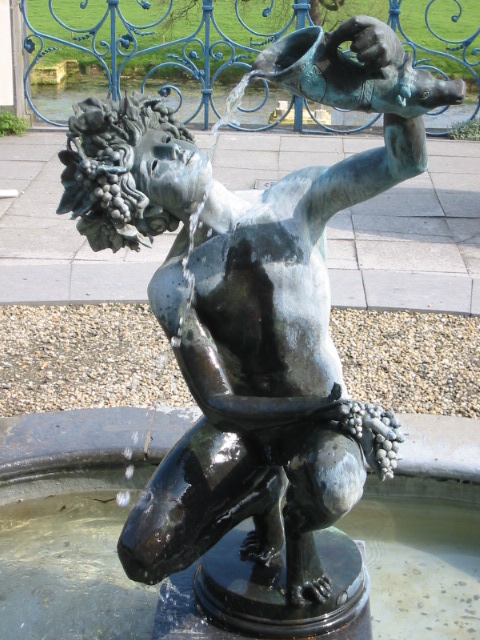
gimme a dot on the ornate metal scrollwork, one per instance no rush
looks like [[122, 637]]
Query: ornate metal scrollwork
[[113, 40]]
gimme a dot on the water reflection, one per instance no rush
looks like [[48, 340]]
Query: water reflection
[[55, 103]]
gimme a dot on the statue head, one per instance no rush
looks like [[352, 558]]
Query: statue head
[[128, 172]]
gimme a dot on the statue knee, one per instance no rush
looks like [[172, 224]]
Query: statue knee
[[152, 544], [326, 483], [342, 485]]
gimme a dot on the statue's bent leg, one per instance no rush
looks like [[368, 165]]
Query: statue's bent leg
[[208, 483], [326, 477]]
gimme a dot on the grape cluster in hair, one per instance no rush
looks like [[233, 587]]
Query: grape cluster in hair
[[100, 189]]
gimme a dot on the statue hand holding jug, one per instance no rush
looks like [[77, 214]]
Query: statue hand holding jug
[[381, 79]]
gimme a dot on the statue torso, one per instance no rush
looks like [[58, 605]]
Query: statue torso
[[262, 291]]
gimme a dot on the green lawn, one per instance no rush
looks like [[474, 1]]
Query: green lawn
[[71, 13]]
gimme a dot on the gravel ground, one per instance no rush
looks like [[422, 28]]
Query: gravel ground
[[71, 357]]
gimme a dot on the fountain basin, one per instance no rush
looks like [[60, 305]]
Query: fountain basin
[[60, 577]]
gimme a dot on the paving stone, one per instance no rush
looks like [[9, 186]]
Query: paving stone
[[20, 184], [454, 164], [42, 192], [46, 224], [19, 171], [37, 152], [462, 182], [460, 205], [471, 257], [203, 140], [465, 230], [86, 254], [32, 137], [42, 208], [247, 142], [5, 204], [387, 228], [402, 201], [347, 288], [93, 282], [459, 194], [239, 178], [342, 254], [34, 283], [294, 160], [340, 226], [51, 171], [458, 148], [251, 159], [16, 242], [417, 291], [402, 228], [314, 144], [410, 256], [356, 145]]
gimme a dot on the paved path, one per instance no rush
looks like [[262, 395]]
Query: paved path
[[415, 247]]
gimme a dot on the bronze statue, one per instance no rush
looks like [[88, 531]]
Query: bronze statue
[[244, 297]]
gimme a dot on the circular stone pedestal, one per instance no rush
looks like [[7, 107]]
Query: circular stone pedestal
[[249, 598]]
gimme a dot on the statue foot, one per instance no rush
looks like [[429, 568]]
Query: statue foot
[[258, 550], [317, 592]]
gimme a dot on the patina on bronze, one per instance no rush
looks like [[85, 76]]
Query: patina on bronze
[[244, 298]]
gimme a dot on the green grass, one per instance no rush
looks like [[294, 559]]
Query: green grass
[[71, 14]]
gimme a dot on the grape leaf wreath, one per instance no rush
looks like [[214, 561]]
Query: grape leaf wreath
[[100, 189]]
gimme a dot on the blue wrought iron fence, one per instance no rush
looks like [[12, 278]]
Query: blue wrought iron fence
[[117, 35]]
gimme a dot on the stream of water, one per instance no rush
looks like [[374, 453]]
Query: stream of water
[[232, 104]]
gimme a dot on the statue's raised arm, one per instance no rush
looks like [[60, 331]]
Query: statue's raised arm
[[382, 79]]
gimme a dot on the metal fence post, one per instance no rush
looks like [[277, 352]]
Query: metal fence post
[[206, 88], [394, 12], [114, 88], [301, 7]]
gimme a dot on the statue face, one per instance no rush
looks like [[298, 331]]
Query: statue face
[[172, 173]]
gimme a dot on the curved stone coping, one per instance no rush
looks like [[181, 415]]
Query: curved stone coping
[[438, 447]]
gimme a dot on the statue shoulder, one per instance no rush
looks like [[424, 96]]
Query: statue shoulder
[[292, 195]]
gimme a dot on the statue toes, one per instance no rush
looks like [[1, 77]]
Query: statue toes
[[317, 591]]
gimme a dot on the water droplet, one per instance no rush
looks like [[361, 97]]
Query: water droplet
[[129, 471], [128, 452], [123, 498]]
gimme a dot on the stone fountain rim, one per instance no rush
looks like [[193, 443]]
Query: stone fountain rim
[[437, 447]]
